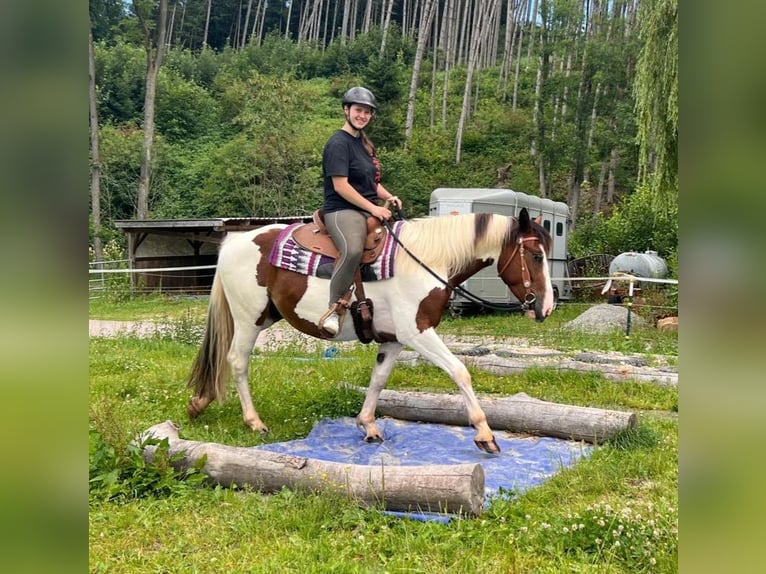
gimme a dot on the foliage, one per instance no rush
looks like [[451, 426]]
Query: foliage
[[120, 71], [119, 471], [104, 16], [185, 110], [656, 88], [635, 225], [120, 161], [240, 129]]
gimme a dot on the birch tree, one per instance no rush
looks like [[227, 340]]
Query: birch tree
[[388, 8], [483, 13], [207, 22], [424, 32], [154, 46]]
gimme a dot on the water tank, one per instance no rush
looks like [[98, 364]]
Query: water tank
[[647, 264]]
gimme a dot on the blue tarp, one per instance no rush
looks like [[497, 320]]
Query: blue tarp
[[525, 461]]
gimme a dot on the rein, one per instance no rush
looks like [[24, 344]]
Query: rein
[[529, 299]]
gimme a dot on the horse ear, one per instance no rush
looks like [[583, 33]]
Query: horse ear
[[524, 225], [539, 219]]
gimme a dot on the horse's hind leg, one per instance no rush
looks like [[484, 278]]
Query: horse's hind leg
[[384, 364], [245, 334]]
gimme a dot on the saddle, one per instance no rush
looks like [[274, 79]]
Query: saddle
[[314, 237]]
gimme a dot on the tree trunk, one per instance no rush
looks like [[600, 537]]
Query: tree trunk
[[367, 16], [453, 488], [508, 46], [434, 70], [243, 40], [95, 155], [481, 16], [287, 23], [539, 127], [170, 27], [532, 25], [386, 23], [424, 33], [517, 71], [613, 159], [207, 22], [155, 50], [449, 29], [517, 413], [462, 40], [600, 188]]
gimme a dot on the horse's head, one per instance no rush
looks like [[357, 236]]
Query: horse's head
[[523, 265]]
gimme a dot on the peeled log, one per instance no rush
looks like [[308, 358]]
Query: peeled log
[[447, 488], [517, 413]]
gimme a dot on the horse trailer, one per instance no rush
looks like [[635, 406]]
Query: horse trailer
[[486, 284]]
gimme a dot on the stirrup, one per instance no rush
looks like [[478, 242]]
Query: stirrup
[[330, 324], [339, 308]]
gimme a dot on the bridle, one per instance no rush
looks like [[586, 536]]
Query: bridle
[[529, 297]]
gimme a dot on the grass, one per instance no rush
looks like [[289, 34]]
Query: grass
[[613, 512]]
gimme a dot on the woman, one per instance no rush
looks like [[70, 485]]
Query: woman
[[351, 188]]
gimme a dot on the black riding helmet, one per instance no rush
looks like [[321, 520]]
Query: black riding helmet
[[360, 95]]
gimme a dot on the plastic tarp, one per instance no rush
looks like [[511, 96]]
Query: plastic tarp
[[525, 461]]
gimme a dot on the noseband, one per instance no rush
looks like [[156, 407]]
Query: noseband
[[529, 298]]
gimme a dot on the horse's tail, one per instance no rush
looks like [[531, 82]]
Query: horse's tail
[[210, 372]]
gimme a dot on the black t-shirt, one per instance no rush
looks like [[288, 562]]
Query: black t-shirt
[[344, 155]]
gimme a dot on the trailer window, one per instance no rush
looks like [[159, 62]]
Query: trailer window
[[547, 225], [559, 229]]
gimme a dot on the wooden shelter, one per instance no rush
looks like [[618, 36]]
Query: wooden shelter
[[163, 244]]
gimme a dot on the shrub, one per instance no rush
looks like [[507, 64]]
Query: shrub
[[119, 471]]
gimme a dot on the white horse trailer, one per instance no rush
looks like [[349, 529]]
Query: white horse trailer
[[486, 284]]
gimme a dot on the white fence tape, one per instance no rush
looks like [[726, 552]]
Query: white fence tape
[[620, 277], [152, 270]]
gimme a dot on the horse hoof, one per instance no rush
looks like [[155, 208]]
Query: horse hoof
[[193, 410], [371, 439], [490, 447]]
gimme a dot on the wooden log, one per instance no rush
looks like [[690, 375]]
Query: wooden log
[[517, 413], [507, 366], [448, 488], [500, 365], [668, 324]]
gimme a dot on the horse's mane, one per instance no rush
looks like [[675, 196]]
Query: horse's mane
[[453, 242]]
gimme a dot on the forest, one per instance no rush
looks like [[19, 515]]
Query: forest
[[220, 108]]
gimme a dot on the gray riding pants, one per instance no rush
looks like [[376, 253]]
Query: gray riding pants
[[348, 229]]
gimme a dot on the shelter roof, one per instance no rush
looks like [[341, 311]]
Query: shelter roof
[[201, 225]]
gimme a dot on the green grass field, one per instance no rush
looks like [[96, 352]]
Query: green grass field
[[613, 512]]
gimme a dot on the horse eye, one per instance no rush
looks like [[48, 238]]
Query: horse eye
[[538, 257]]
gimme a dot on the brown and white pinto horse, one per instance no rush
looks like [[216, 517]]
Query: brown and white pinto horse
[[249, 295]]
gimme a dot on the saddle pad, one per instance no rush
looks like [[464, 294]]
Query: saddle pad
[[287, 254]]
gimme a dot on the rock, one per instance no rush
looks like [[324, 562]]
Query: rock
[[604, 318]]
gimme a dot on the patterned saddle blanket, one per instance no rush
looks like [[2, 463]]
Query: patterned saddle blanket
[[288, 254]]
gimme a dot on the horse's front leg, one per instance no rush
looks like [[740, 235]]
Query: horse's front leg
[[384, 364], [432, 348]]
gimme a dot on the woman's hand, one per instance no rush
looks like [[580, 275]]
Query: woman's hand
[[382, 213], [394, 201]]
